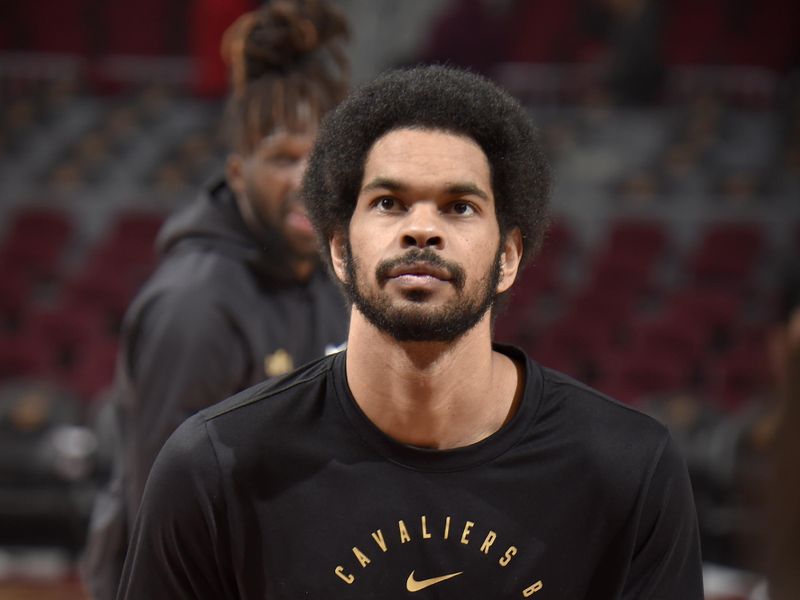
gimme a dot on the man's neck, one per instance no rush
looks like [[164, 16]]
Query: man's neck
[[432, 394]]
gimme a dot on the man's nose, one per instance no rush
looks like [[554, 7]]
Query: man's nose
[[422, 229], [298, 170]]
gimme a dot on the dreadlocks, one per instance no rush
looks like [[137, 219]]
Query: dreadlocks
[[288, 68]]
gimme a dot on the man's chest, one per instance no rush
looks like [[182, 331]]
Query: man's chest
[[365, 531]]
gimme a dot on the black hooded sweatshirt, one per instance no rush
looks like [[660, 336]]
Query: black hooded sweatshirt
[[219, 314]]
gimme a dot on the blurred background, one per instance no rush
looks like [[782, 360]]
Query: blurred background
[[672, 127]]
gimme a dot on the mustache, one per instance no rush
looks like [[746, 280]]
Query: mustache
[[415, 256]]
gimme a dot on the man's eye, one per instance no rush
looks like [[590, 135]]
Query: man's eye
[[463, 208], [387, 203], [282, 160]]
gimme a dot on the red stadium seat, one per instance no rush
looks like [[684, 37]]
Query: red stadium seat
[[67, 326], [764, 36], [564, 362], [558, 240], [36, 240], [25, 356], [40, 257], [743, 240], [694, 32], [93, 370], [633, 376], [108, 291], [541, 277], [15, 293], [619, 271], [642, 238], [713, 308], [136, 226], [740, 376], [671, 337], [41, 223], [549, 31], [128, 249], [516, 321], [135, 260], [718, 268], [59, 27], [149, 37], [726, 255], [614, 307], [580, 336]]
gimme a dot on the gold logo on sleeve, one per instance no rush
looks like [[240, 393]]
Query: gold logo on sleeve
[[278, 363], [412, 585]]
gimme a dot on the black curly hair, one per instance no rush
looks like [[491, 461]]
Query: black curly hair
[[287, 67], [437, 98]]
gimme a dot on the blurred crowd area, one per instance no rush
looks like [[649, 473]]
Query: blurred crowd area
[[672, 128]]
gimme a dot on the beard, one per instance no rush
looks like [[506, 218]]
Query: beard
[[415, 321]]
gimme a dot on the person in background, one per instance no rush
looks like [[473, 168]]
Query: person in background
[[423, 458], [783, 497], [239, 294], [768, 535]]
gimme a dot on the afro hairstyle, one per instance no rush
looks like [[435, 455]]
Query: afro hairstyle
[[435, 98]]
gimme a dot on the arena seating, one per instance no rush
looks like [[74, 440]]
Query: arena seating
[[655, 251]]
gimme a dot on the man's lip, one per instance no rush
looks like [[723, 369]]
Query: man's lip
[[420, 270], [299, 220]]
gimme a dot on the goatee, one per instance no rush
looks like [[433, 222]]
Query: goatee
[[415, 321]]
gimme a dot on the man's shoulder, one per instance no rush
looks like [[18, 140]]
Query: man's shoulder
[[276, 396], [197, 268], [611, 445], [263, 422], [191, 282], [595, 417]]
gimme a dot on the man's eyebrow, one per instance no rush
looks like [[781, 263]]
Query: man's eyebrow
[[384, 183], [467, 189], [453, 189]]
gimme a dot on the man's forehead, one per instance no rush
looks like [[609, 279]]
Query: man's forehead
[[288, 136], [412, 132], [425, 150]]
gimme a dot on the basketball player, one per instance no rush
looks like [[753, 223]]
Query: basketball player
[[240, 293], [423, 459]]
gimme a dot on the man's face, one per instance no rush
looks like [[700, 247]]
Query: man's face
[[423, 260], [266, 184]]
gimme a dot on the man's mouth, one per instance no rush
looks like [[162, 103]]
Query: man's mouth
[[298, 219], [420, 268], [419, 271]]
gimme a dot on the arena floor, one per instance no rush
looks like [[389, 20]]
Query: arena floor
[[39, 574], [69, 589]]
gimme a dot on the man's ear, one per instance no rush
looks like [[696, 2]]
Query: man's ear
[[510, 259], [234, 173], [337, 245]]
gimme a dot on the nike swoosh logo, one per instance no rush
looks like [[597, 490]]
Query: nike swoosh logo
[[412, 585]]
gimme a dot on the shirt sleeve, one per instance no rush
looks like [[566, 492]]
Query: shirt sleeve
[[178, 548], [184, 354], [666, 562]]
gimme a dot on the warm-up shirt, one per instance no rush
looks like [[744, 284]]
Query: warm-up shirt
[[288, 491]]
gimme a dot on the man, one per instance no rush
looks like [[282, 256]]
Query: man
[[783, 515], [239, 294], [770, 455], [422, 459]]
